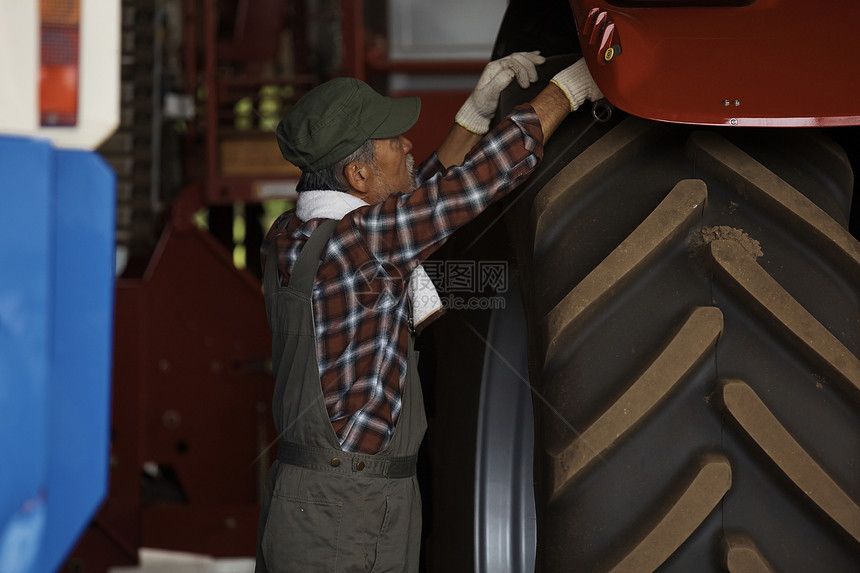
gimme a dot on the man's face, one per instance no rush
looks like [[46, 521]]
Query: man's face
[[394, 169]]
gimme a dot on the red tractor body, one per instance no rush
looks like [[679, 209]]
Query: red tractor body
[[755, 63]]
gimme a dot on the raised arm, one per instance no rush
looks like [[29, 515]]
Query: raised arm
[[406, 228], [456, 145], [571, 86], [473, 118]]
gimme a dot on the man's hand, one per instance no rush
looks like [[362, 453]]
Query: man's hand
[[479, 109], [577, 84]]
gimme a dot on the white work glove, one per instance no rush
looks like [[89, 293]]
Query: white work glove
[[577, 84], [479, 109]]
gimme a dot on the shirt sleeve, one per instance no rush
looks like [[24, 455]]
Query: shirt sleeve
[[406, 228], [428, 168]]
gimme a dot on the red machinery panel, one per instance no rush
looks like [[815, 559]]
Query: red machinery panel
[[765, 63], [207, 413]]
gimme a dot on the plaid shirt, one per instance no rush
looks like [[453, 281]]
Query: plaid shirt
[[361, 310]]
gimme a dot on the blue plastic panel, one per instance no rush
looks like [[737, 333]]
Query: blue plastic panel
[[79, 388], [57, 210], [26, 233]]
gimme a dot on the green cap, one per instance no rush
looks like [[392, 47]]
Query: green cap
[[336, 118]]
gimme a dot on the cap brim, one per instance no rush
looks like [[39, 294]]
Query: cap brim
[[403, 115]]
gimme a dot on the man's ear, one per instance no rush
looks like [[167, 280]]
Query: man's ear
[[357, 174]]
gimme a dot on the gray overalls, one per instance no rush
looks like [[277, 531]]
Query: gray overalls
[[326, 509]]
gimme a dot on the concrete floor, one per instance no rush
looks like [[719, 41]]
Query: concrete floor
[[159, 561]]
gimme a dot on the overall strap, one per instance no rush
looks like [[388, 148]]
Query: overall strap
[[270, 273], [305, 270]]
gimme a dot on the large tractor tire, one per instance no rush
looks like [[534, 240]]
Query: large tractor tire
[[691, 297]]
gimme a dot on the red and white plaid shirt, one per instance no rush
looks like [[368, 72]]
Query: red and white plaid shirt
[[361, 310]]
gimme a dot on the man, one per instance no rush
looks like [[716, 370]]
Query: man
[[345, 292]]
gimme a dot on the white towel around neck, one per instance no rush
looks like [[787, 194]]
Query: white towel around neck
[[335, 205]]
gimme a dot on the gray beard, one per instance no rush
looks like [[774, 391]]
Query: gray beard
[[410, 166]]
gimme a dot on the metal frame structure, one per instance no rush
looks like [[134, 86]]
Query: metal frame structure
[[228, 66]]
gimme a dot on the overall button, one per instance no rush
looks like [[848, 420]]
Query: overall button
[[359, 466], [335, 462]]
